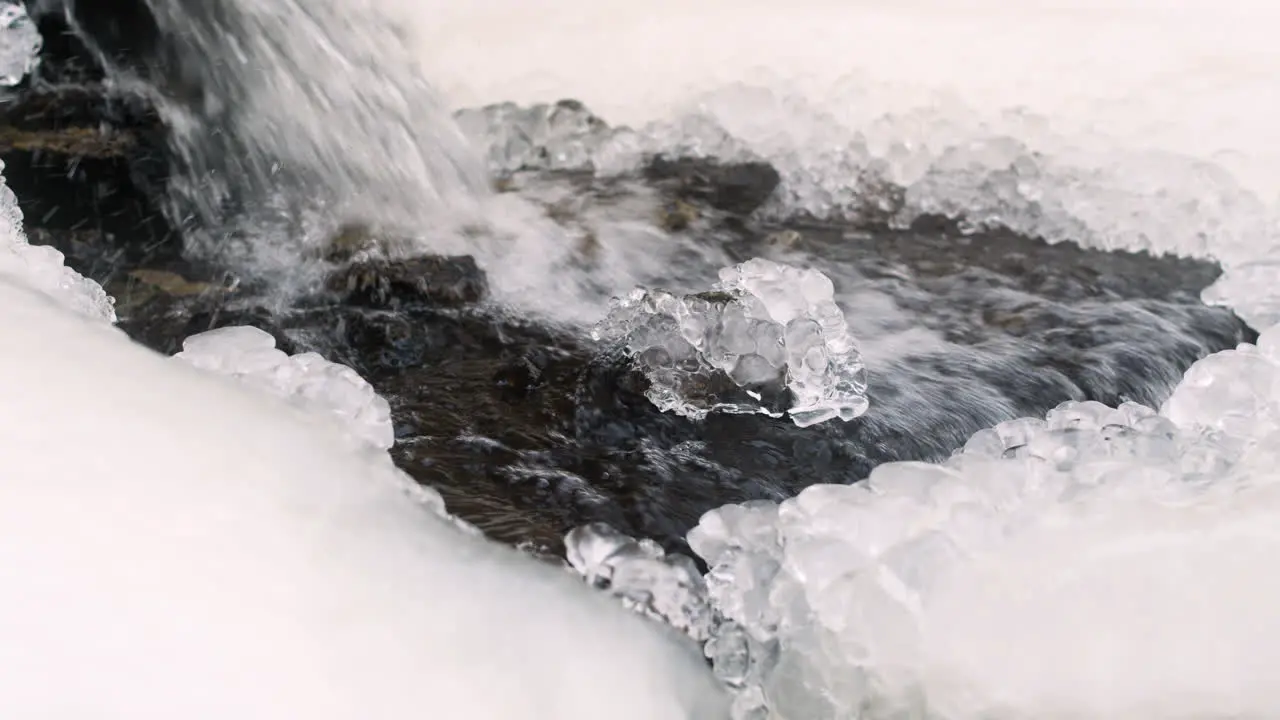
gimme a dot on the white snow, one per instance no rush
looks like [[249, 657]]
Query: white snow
[[176, 544], [172, 545]]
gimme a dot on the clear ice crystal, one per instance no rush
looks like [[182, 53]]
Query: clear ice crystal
[[558, 136], [306, 379], [665, 587], [767, 338], [20, 43]]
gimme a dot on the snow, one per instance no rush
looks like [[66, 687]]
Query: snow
[[174, 543]]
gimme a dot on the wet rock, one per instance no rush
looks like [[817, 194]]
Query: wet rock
[[82, 159], [446, 281], [735, 188]]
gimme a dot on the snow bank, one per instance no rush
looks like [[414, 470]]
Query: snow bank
[[175, 544]]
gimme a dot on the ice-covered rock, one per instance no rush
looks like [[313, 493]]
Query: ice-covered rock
[[306, 379], [41, 268], [768, 338], [20, 43]]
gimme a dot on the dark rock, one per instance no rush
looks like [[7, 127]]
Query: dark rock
[[735, 188], [446, 281], [83, 160]]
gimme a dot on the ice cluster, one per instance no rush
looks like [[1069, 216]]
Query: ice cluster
[[1102, 562], [646, 579], [41, 267], [768, 338], [566, 135], [20, 43], [306, 379], [557, 136]]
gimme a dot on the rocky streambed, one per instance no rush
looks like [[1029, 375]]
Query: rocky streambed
[[527, 427]]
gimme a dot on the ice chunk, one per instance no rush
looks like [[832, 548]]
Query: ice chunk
[[173, 549], [768, 338], [20, 43], [41, 268], [560, 136], [667, 588], [306, 379]]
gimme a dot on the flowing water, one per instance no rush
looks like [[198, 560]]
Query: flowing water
[[1051, 570]]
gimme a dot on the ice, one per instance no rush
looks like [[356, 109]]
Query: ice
[[42, 267], [20, 43], [643, 577], [306, 379], [560, 136], [1099, 563], [768, 338], [175, 544]]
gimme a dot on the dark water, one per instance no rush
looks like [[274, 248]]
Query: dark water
[[526, 427]]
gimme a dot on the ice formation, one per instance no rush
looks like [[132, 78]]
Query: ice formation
[[764, 330], [664, 587], [1100, 563], [42, 267], [20, 43], [560, 136], [306, 379]]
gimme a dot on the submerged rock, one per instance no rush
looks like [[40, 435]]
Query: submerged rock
[[734, 188], [445, 281], [83, 159]]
